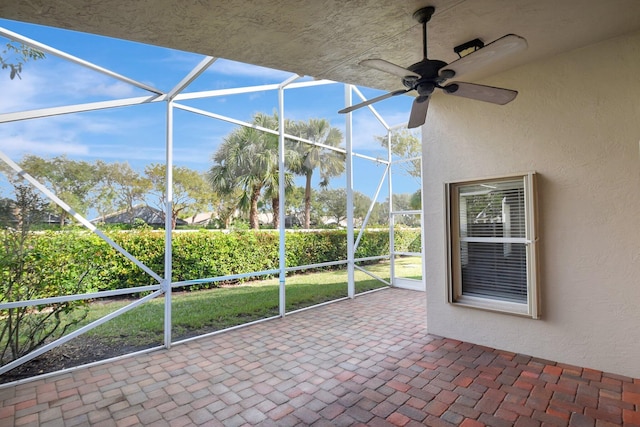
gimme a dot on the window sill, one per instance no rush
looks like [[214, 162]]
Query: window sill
[[497, 306]]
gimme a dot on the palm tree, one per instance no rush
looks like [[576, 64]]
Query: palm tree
[[248, 160], [271, 179], [331, 163], [272, 192]]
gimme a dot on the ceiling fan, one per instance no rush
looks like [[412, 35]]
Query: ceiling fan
[[430, 74]]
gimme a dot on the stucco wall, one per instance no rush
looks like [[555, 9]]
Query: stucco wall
[[576, 122]]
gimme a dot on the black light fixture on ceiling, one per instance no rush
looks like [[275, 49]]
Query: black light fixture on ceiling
[[466, 48]]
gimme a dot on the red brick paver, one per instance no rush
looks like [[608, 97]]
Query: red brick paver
[[366, 361]]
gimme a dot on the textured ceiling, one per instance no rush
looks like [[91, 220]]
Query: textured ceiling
[[327, 38]]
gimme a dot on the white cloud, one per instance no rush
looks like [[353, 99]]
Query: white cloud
[[365, 128], [71, 135], [179, 59], [16, 146], [366, 125], [130, 152], [79, 83], [96, 124], [58, 84], [19, 94], [192, 157]]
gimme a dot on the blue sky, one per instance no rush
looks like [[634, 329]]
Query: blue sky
[[137, 134]]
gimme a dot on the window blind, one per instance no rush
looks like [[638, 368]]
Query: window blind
[[493, 240]]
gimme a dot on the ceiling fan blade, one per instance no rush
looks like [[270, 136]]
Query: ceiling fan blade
[[492, 52], [372, 100], [418, 112], [388, 67], [491, 94]]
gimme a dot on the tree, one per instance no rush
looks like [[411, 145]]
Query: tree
[[70, 180], [15, 55], [334, 205], [380, 214], [225, 207], [7, 217], [294, 204], [240, 162], [191, 192], [405, 144], [247, 160], [120, 189], [311, 157], [272, 177], [416, 200]]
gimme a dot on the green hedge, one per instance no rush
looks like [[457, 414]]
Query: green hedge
[[196, 255]]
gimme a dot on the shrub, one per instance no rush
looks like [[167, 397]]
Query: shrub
[[33, 266], [197, 254]]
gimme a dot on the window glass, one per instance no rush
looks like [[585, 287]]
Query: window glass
[[490, 249]]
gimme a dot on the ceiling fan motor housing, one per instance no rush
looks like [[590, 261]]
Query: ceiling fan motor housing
[[428, 69]]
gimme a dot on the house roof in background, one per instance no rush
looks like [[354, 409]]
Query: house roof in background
[[148, 214]]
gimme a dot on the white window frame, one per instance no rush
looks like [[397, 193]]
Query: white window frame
[[454, 254]]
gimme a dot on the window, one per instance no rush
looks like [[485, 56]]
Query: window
[[492, 244]]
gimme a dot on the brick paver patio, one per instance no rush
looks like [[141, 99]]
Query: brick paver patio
[[365, 361]]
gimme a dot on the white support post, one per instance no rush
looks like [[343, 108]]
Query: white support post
[[168, 227], [351, 285], [422, 230], [281, 187], [392, 247]]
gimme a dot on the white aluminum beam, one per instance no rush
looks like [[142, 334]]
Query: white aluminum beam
[[408, 253], [194, 74], [392, 264], [372, 108], [247, 89], [319, 265], [223, 278], [48, 49], [374, 159], [281, 190], [77, 297], [373, 275], [168, 226], [371, 206], [373, 258], [17, 362], [351, 285], [78, 108], [395, 162], [254, 126], [422, 230], [408, 212]]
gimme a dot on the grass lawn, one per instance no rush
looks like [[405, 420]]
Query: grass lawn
[[198, 312], [409, 267]]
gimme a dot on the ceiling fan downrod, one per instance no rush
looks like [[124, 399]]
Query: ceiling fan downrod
[[423, 16]]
